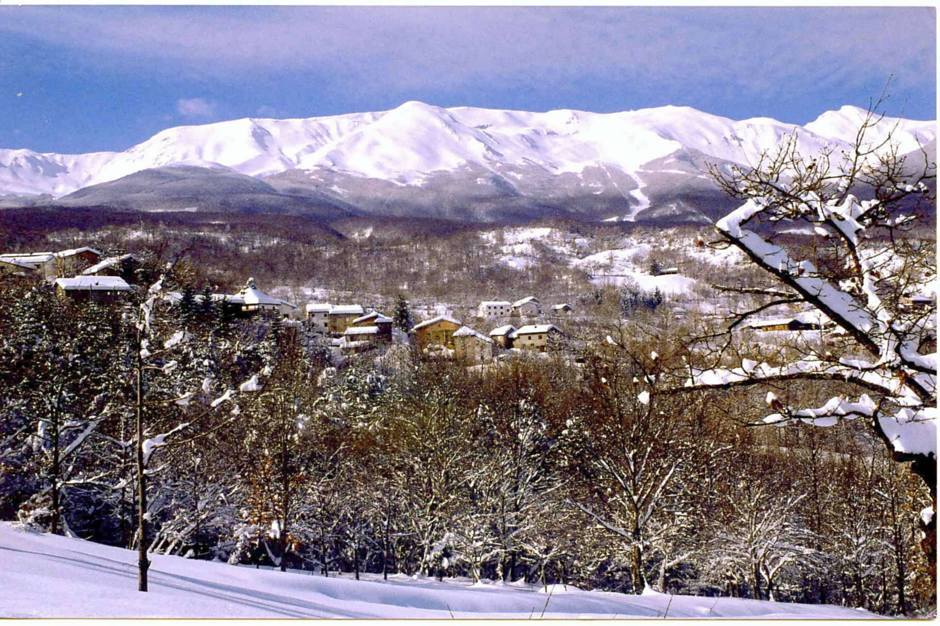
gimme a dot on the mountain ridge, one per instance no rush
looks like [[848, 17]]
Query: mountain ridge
[[408, 159]]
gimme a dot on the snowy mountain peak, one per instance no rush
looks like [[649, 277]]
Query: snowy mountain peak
[[416, 142]]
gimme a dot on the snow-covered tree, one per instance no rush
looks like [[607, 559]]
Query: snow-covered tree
[[631, 447], [178, 399], [862, 268]]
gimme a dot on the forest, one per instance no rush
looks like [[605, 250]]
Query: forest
[[551, 469]]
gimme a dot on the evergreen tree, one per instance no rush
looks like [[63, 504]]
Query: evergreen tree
[[402, 315], [188, 304]]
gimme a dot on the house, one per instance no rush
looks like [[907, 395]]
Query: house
[[101, 289], [501, 336], [50, 265], [252, 300], [494, 309], [340, 316], [123, 265], [41, 263], [808, 320], [73, 260], [917, 302], [471, 346], [356, 338], [561, 309], [376, 320], [536, 337], [318, 316], [16, 268], [527, 307], [437, 331], [664, 271]]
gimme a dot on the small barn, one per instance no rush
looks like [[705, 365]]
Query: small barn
[[536, 337], [471, 346], [437, 331], [501, 336], [100, 289]]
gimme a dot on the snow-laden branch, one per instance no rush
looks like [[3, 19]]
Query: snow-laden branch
[[150, 445], [802, 276]]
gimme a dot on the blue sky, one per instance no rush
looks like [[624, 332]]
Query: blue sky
[[78, 79]]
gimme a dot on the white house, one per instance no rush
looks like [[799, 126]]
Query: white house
[[527, 307], [252, 300], [494, 309], [471, 346], [318, 316]]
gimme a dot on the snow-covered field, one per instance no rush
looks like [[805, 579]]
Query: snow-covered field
[[50, 576], [627, 263]]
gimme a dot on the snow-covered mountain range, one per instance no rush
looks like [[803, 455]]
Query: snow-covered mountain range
[[461, 162]]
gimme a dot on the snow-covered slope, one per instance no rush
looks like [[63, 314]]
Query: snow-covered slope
[[842, 125], [408, 144], [50, 576]]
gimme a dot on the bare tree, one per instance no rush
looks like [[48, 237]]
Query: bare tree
[[858, 271]]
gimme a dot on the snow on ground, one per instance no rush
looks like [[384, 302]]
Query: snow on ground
[[626, 262], [51, 576], [619, 267]]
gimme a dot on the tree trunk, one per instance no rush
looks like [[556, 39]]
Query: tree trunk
[[125, 524], [54, 436], [143, 564], [356, 557], [385, 551], [636, 563], [926, 469], [661, 582], [899, 560], [285, 499], [756, 591]]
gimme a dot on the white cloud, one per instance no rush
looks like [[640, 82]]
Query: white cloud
[[195, 107]]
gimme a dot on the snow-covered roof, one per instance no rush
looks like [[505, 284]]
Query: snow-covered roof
[[526, 300], [20, 264], [93, 283], [319, 307], [466, 331], [559, 307], [346, 309], [502, 330], [250, 295], [534, 329], [374, 315], [104, 264], [361, 330], [29, 258], [36, 258], [495, 303], [67, 253], [805, 317], [435, 320]]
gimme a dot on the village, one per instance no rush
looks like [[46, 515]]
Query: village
[[498, 327], [493, 330]]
